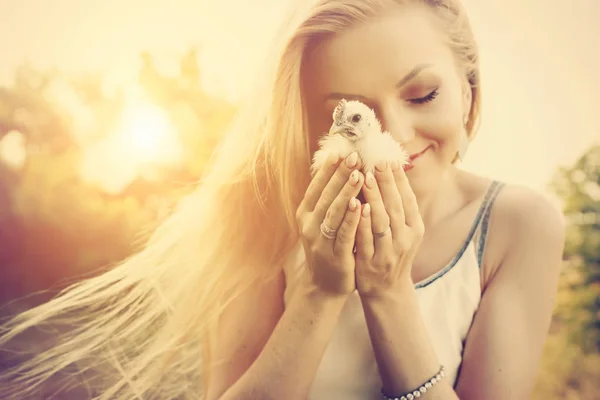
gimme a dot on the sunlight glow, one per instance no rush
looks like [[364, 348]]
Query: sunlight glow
[[148, 135], [12, 150], [144, 140]]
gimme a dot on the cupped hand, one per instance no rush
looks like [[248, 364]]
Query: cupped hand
[[389, 232], [328, 218]]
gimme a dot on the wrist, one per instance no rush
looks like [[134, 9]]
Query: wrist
[[420, 390], [316, 294], [336, 288], [402, 288]]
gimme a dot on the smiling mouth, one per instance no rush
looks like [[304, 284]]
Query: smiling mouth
[[413, 157]]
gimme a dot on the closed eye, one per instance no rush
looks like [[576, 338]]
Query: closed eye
[[426, 99]]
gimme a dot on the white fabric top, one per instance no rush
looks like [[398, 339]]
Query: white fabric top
[[448, 301]]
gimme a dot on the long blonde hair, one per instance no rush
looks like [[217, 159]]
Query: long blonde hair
[[141, 330]]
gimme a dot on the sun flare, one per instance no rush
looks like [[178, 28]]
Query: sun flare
[[144, 139], [147, 134]]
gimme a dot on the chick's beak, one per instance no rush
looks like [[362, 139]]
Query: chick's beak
[[342, 128]]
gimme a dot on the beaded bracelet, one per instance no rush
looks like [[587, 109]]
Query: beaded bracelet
[[421, 389]]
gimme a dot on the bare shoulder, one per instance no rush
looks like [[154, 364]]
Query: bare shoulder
[[520, 211], [517, 209], [524, 223]]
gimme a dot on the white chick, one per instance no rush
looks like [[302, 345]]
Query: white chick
[[356, 128]]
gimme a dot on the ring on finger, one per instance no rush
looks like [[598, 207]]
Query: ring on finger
[[328, 232], [384, 233]]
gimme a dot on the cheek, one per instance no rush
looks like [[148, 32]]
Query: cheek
[[441, 123]]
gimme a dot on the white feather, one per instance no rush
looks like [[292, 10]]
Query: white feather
[[330, 144], [371, 144], [380, 147]]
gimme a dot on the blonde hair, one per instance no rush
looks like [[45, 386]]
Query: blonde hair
[[141, 330]]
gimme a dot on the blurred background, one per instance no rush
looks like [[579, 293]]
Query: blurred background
[[109, 111]]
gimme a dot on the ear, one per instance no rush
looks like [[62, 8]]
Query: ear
[[338, 112]]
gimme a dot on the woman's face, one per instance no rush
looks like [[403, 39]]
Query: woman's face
[[400, 66]]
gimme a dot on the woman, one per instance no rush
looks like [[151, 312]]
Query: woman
[[266, 283]]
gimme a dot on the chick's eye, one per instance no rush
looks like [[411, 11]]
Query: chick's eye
[[356, 118]]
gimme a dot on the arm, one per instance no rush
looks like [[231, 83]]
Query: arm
[[270, 353], [505, 343], [278, 356], [403, 350]]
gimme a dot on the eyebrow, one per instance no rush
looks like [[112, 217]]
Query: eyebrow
[[413, 73]]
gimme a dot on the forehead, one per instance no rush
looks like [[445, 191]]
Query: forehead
[[367, 57]]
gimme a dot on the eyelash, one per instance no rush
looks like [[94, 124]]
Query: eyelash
[[426, 99]]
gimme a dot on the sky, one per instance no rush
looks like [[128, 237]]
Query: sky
[[540, 61]]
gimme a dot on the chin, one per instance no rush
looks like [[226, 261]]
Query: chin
[[423, 180]]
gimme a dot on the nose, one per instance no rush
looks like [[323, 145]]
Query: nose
[[397, 122]]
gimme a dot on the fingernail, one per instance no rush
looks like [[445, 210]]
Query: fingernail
[[370, 180], [352, 204], [366, 210], [395, 165], [354, 177], [381, 166], [351, 160], [333, 159]]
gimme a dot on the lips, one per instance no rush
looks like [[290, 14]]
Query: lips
[[413, 157]]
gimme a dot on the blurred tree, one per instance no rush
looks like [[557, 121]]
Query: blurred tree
[[61, 226], [24, 108], [579, 187], [200, 117], [571, 364]]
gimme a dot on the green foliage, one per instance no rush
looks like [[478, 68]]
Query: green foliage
[[571, 364], [579, 186]]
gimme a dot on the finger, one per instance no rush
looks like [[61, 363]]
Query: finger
[[392, 200], [334, 186], [364, 235], [319, 181], [380, 220], [337, 210], [409, 200], [346, 236]]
